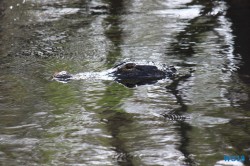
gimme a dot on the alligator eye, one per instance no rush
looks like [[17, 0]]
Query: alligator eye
[[130, 65]]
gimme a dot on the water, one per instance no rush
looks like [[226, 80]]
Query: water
[[101, 122]]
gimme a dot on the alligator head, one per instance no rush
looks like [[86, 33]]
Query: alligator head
[[131, 74]]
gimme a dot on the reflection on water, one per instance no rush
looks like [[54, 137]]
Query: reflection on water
[[100, 122]]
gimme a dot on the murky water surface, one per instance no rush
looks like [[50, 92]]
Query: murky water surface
[[101, 122]]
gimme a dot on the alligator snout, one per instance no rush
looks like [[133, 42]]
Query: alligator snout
[[62, 76]]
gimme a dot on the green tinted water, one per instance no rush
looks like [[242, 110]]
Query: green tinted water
[[101, 122]]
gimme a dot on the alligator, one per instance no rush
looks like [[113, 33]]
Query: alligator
[[130, 74]]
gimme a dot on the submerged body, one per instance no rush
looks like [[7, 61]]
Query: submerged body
[[130, 74]]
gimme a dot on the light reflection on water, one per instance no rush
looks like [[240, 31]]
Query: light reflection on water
[[95, 121]]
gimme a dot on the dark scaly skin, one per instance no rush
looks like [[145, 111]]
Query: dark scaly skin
[[131, 74], [134, 71]]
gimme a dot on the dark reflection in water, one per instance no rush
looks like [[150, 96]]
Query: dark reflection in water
[[238, 12], [185, 128], [192, 34], [115, 121], [114, 31], [185, 47]]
